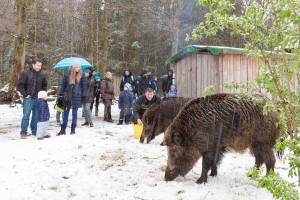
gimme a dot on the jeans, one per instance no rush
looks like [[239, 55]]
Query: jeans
[[28, 107], [87, 112], [66, 115]]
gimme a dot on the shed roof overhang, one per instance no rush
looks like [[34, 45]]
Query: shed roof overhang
[[216, 50]]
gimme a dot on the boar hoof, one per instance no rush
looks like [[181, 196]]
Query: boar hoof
[[201, 180], [213, 173]]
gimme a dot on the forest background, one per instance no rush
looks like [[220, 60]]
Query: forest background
[[111, 34]]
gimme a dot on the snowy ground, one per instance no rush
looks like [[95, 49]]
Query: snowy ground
[[106, 162]]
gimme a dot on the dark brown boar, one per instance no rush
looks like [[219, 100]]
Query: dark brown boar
[[210, 126], [160, 115]]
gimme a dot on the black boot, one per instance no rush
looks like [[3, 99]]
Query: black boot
[[91, 124], [62, 130], [96, 112], [85, 124], [120, 122], [73, 129]]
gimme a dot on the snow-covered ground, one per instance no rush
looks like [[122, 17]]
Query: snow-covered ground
[[106, 162]]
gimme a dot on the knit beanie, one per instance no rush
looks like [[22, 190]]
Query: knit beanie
[[107, 74], [42, 94], [76, 63], [128, 85]]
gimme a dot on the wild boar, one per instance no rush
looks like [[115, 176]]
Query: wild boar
[[210, 126], [160, 115]]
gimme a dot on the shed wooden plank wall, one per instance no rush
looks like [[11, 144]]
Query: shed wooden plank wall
[[196, 71], [237, 68]]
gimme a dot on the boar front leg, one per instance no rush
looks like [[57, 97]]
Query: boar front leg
[[206, 165]]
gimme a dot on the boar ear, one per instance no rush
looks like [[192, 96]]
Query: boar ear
[[177, 139]]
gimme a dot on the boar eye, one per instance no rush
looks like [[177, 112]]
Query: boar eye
[[177, 138]]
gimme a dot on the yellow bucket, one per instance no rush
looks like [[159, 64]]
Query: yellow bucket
[[138, 129]]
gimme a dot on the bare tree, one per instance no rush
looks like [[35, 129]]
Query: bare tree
[[18, 59]]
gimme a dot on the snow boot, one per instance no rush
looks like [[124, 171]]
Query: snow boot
[[96, 112], [85, 124], [120, 122], [73, 129], [62, 130]]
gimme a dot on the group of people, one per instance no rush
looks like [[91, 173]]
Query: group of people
[[80, 88]]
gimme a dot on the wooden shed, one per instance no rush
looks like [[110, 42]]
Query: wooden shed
[[197, 67]]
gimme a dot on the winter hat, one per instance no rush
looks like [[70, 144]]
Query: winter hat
[[128, 85], [108, 74], [76, 63], [97, 76], [42, 94], [173, 85]]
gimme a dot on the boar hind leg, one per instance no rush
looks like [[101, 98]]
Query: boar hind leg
[[264, 154], [270, 160], [206, 165]]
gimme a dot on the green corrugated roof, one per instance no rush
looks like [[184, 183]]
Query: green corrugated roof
[[216, 50]]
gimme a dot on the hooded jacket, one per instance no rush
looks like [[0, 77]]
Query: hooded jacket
[[143, 82]]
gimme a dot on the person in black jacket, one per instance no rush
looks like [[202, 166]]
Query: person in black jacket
[[143, 82], [142, 104], [89, 98], [29, 84], [127, 78], [97, 92], [167, 82]]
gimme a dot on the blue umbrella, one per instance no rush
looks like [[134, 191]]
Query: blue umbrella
[[67, 62]]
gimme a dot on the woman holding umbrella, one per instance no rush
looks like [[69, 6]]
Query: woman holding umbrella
[[73, 90]]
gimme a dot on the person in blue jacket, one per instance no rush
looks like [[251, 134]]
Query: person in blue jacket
[[126, 100], [74, 90], [43, 116], [172, 92]]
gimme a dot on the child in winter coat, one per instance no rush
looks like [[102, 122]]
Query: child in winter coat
[[43, 116], [172, 92], [126, 100]]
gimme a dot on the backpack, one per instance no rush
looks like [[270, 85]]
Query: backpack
[[123, 79]]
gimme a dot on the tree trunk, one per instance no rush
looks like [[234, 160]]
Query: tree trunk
[[18, 60], [90, 45], [105, 37], [177, 6]]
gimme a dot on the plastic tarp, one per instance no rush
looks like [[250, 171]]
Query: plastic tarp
[[216, 50]]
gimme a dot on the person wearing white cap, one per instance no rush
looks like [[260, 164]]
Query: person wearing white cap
[[73, 90], [125, 104], [107, 95], [43, 116]]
